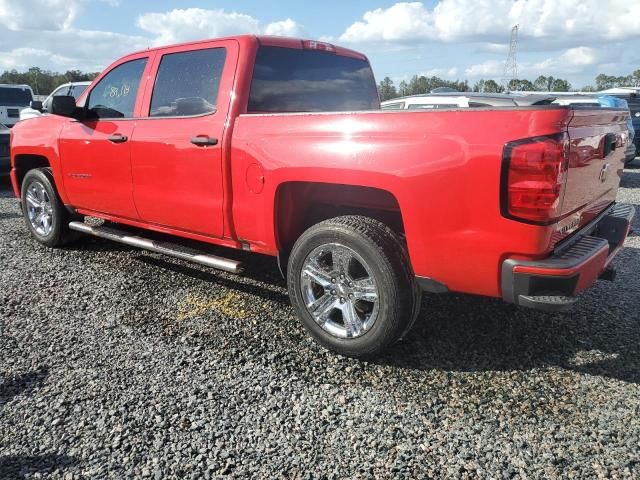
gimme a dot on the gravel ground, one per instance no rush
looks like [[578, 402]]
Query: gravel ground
[[117, 363]]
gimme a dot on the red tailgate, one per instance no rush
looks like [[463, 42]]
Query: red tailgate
[[597, 141]]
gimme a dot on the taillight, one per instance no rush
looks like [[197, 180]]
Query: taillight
[[533, 179]]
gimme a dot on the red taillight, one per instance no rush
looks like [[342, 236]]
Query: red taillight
[[534, 177], [313, 45]]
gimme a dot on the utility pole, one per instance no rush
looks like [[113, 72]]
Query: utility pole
[[511, 65]]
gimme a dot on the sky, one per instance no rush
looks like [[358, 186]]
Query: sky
[[452, 39]]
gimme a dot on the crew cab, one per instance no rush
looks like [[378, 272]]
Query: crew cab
[[279, 147]]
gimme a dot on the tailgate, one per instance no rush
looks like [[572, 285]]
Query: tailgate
[[597, 142]]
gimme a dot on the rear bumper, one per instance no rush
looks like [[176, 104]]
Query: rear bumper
[[553, 283]]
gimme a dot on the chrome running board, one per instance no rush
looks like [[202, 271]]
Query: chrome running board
[[169, 249]]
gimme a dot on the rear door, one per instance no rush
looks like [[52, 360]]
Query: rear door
[[96, 153], [177, 148], [596, 159]]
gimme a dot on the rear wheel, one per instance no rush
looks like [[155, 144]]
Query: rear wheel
[[45, 215], [351, 283]]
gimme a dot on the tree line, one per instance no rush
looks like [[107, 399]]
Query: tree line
[[43, 82], [420, 84]]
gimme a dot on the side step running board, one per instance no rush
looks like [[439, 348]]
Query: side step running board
[[169, 249]]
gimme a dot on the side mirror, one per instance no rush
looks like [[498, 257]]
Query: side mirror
[[36, 105], [63, 105]]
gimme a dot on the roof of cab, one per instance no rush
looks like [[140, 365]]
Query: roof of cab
[[267, 40]]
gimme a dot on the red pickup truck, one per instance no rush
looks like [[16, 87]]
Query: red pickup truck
[[278, 146]]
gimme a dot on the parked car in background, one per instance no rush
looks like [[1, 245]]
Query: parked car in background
[[278, 146], [617, 102], [444, 100], [13, 98], [5, 158], [632, 97], [72, 89]]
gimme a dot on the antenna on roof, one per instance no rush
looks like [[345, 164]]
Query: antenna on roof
[[511, 65]]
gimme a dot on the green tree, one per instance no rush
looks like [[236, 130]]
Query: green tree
[[387, 89], [491, 86], [560, 85], [403, 89]]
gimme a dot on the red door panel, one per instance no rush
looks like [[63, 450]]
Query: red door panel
[[97, 171], [178, 182]]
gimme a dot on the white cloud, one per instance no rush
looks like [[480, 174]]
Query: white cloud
[[440, 72], [42, 33], [19, 15], [568, 22], [572, 60], [195, 23], [283, 28]]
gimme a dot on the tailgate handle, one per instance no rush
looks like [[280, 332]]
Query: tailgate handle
[[610, 141]]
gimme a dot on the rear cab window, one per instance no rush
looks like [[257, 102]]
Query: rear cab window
[[301, 80], [15, 97]]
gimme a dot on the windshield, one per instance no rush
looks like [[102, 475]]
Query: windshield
[[15, 97], [290, 80]]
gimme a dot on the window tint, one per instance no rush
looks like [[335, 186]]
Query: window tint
[[15, 96], [290, 80], [187, 83], [61, 91], [115, 95], [77, 90]]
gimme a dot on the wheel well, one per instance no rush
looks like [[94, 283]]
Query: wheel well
[[24, 163], [300, 205]]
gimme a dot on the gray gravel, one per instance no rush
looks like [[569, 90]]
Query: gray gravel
[[117, 363]]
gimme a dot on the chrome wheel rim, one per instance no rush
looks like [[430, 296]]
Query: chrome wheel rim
[[339, 291], [39, 209]]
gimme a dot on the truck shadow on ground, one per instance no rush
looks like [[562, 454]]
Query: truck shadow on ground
[[26, 466], [599, 336], [25, 383], [474, 334], [630, 179]]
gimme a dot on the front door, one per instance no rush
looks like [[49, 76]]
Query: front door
[[177, 150], [96, 152]]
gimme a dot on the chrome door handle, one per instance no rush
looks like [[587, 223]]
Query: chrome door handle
[[118, 138], [204, 141]]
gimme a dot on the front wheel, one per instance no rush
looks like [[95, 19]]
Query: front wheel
[[45, 215], [352, 286]]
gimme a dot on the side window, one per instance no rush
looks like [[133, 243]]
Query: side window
[[77, 90], [56, 93], [114, 96], [187, 83]]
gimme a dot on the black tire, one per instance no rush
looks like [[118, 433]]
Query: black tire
[[59, 233], [398, 295]]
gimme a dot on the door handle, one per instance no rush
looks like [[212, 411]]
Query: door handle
[[204, 141], [118, 138]]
